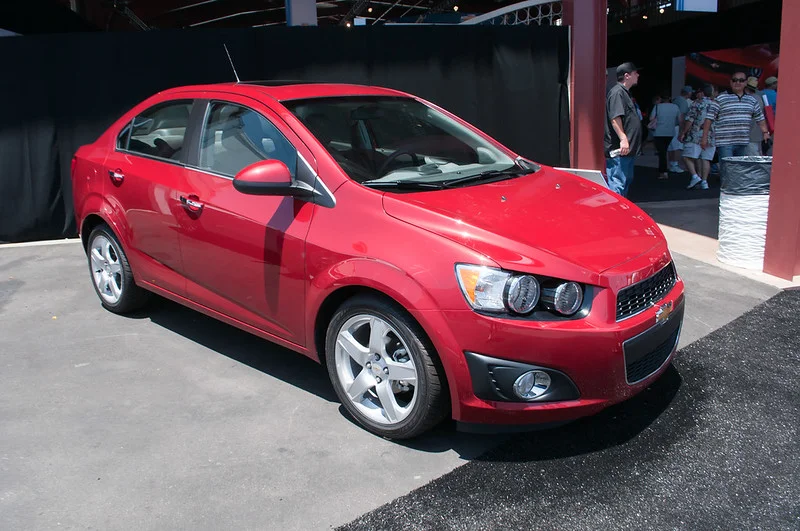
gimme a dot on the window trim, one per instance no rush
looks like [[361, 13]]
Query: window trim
[[189, 126], [202, 128]]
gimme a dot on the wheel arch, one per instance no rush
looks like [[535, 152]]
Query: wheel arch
[[95, 211], [399, 290]]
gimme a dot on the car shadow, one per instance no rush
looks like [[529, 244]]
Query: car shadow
[[611, 427], [238, 345], [615, 426]]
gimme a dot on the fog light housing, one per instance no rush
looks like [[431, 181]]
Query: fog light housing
[[532, 384]]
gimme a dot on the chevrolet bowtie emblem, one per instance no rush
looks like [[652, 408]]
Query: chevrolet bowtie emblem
[[663, 313]]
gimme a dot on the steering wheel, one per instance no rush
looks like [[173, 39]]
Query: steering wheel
[[382, 170]]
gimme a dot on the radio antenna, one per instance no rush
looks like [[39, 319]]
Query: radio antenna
[[231, 61]]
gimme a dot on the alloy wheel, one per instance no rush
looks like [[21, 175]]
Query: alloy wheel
[[106, 269], [375, 369]]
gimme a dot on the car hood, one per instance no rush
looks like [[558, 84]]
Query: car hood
[[535, 223]]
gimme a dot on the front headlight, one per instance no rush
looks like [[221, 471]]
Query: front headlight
[[482, 286], [492, 290]]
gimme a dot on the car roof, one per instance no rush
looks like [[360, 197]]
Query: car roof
[[290, 90]]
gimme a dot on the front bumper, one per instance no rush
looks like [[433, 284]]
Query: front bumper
[[602, 361]]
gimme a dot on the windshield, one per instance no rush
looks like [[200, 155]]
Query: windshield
[[393, 141]]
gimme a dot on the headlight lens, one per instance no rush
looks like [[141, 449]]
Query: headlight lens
[[493, 290], [483, 287], [523, 293], [568, 298]]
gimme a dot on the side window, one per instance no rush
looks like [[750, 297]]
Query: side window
[[235, 137], [159, 131], [124, 136]]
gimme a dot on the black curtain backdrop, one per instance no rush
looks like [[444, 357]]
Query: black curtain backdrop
[[61, 91]]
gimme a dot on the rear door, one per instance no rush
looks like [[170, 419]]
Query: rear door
[[144, 174], [244, 255]]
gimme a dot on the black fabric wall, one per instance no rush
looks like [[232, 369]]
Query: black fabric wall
[[62, 91]]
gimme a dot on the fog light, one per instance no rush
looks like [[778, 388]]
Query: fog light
[[532, 384]]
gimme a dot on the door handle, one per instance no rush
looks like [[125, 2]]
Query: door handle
[[191, 204], [116, 176]]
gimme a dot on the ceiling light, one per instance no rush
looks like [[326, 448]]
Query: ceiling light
[[369, 10], [348, 24], [644, 17], [455, 8], [661, 10]]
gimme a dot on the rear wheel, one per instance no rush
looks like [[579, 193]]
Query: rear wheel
[[384, 369], [111, 273]]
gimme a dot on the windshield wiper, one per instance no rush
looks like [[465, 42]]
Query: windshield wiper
[[488, 174], [403, 185]]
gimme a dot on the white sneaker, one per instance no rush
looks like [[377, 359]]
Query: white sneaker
[[676, 169], [695, 180], [704, 185]]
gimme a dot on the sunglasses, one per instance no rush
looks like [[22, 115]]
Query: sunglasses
[[738, 79]]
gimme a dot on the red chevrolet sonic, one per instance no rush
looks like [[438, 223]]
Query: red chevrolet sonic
[[433, 271]]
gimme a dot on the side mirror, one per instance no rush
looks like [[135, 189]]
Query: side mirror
[[270, 177]]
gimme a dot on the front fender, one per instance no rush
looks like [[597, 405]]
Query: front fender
[[404, 289]]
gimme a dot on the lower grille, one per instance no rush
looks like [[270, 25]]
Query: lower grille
[[650, 363]]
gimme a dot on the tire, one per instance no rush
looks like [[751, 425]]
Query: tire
[[111, 273], [384, 369]]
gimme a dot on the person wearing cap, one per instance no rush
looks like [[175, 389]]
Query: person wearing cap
[[732, 113], [771, 92], [623, 130], [751, 88]]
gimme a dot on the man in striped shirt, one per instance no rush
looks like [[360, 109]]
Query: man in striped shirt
[[733, 113]]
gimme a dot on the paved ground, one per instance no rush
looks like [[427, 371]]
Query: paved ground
[[712, 445], [173, 420]]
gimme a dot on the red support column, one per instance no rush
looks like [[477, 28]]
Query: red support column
[[587, 19], [782, 252]]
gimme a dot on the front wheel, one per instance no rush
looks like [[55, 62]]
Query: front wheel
[[384, 369], [111, 273]]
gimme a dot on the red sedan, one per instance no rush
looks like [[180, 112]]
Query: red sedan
[[432, 270]]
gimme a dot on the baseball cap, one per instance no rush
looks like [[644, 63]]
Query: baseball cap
[[771, 80], [688, 89], [627, 68], [752, 82]]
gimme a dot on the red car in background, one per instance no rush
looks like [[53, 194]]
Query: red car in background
[[433, 271]]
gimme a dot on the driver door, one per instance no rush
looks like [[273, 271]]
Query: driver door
[[243, 254]]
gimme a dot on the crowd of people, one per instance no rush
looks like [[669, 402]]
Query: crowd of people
[[692, 130]]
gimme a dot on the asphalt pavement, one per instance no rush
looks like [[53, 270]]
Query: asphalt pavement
[[712, 445], [169, 419]]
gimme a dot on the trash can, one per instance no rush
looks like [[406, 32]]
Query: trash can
[[743, 208]]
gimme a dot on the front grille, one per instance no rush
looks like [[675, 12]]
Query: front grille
[[650, 363], [642, 295]]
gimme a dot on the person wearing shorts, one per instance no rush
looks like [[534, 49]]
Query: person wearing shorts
[[698, 159]]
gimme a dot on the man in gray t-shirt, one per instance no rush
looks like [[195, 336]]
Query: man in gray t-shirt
[[623, 134]]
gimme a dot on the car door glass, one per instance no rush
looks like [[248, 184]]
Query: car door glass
[[159, 131], [235, 137], [124, 137]]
